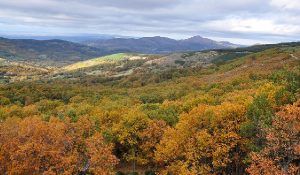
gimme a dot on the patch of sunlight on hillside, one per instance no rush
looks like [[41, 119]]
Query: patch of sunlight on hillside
[[96, 61]]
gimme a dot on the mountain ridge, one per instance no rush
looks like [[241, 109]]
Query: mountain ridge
[[158, 44], [55, 52], [58, 52]]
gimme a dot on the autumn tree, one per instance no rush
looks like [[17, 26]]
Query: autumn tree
[[205, 141], [137, 137], [127, 133], [150, 137], [259, 116], [282, 152], [33, 146], [101, 161]]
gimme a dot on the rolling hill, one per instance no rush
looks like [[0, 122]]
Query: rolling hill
[[127, 64], [46, 52], [11, 71], [126, 61]]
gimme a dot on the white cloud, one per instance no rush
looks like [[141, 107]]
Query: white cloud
[[286, 4], [254, 25], [269, 20]]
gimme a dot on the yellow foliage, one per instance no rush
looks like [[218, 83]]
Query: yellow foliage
[[269, 89], [206, 133]]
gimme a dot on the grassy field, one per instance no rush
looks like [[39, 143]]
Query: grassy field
[[96, 61]]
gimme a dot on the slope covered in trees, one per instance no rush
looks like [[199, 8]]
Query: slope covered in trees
[[238, 116], [46, 52]]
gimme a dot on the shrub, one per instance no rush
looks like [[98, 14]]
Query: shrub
[[149, 173], [120, 173], [134, 173]]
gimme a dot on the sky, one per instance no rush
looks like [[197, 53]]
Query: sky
[[237, 21]]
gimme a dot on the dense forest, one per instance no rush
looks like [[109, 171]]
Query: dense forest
[[237, 116]]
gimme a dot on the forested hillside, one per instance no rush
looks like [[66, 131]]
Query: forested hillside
[[46, 52], [238, 112]]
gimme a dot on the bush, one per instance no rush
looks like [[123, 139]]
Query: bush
[[133, 173], [149, 173], [260, 111], [152, 98], [283, 97], [4, 101], [120, 173]]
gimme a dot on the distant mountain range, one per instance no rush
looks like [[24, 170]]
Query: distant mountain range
[[158, 45], [56, 52]]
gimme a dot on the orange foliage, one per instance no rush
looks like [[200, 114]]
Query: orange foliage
[[33, 146], [151, 137], [205, 141], [281, 156]]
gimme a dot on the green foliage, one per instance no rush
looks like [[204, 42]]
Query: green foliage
[[151, 98], [290, 79], [72, 114], [169, 114], [120, 173], [4, 101], [260, 115], [150, 173], [248, 129], [133, 173], [228, 56], [180, 62], [283, 96], [260, 112]]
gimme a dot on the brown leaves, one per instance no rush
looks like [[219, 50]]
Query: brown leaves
[[33, 146], [100, 157], [281, 155]]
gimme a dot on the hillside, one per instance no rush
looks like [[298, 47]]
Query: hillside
[[124, 64], [218, 111], [158, 45], [127, 63], [97, 61], [12, 71], [46, 52]]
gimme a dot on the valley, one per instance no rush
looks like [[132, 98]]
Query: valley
[[149, 87], [120, 64], [151, 113]]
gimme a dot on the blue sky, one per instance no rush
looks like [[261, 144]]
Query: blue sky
[[238, 21]]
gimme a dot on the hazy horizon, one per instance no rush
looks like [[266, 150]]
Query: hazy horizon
[[241, 22], [111, 36]]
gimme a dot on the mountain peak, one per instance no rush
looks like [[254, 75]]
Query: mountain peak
[[156, 38], [198, 39]]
